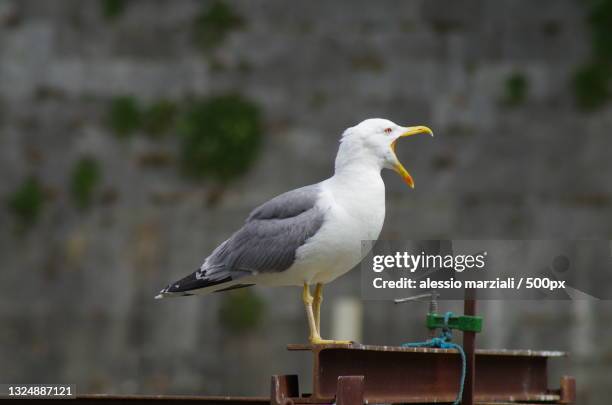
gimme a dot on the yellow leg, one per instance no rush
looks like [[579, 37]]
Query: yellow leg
[[316, 305], [307, 299], [314, 337]]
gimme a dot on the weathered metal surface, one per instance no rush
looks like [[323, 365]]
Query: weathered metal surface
[[424, 375], [283, 388], [165, 400], [480, 352], [350, 390], [567, 392], [359, 374], [160, 399]]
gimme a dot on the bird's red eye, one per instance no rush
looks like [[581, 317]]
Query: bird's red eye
[[388, 130]]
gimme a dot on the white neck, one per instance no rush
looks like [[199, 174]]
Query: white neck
[[358, 188], [357, 172], [351, 159]]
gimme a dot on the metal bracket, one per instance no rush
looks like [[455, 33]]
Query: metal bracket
[[434, 320], [464, 323]]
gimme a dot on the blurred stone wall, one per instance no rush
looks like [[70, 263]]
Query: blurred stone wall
[[513, 158]]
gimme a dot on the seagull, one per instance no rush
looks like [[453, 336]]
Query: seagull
[[311, 235]]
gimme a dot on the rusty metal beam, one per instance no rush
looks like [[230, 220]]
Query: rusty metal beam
[[350, 390], [423, 375], [358, 374], [159, 399]]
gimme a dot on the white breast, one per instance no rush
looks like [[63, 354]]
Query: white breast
[[354, 212]]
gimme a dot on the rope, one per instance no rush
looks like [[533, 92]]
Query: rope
[[444, 342]]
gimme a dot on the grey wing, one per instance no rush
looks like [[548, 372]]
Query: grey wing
[[267, 243]]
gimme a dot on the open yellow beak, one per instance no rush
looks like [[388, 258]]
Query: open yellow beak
[[399, 168]]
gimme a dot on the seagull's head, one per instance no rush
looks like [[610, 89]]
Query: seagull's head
[[374, 140]]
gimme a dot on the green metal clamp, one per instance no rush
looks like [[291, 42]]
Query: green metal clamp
[[463, 323]]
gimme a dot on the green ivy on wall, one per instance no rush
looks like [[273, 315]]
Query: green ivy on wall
[[111, 9], [516, 90], [220, 137], [124, 116], [214, 23], [85, 177], [592, 82], [27, 201]]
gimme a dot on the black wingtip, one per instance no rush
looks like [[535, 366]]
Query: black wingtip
[[191, 282]]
